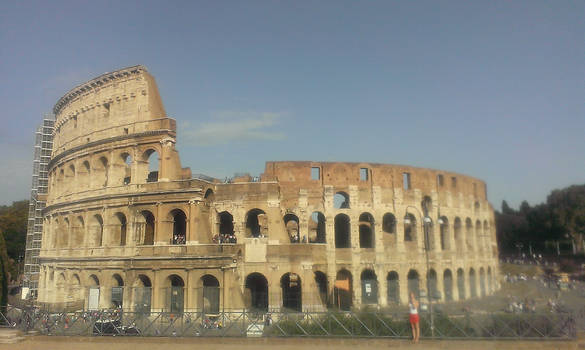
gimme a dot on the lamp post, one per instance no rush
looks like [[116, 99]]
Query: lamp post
[[427, 221]]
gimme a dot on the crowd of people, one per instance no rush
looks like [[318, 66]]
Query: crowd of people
[[225, 238]]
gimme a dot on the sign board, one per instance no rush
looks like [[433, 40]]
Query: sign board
[[255, 330], [24, 293], [368, 288], [94, 299]]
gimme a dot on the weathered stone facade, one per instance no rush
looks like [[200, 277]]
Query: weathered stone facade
[[126, 225]]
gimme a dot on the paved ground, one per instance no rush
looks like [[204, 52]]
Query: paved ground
[[117, 343]]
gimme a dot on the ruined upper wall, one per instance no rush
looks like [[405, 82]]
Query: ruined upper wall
[[114, 104], [340, 175]]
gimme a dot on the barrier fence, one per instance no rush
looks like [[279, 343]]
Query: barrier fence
[[560, 326]]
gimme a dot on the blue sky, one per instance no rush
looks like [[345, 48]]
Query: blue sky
[[492, 89]]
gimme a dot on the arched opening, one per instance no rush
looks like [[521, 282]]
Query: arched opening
[[64, 234], [343, 291], [433, 291], [119, 228], [76, 288], [151, 158], [176, 293], [489, 280], [444, 228], [257, 287], [341, 200], [476, 208], [393, 287], [448, 285], [70, 178], [469, 234], [290, 283], [482, 281], [117, 297], [85, 174], [226, 228], [211, 290], [409, 228], [366, 230], [127, 168], [56, 233], [61, 287], [485, 242], [145, 228], [389, 223], [96, 231], [255, 223], [291, 224], [101, 172], [427, 205], [322, 287], [142, 295], [209, 195], [77, 232], [478, 238], [413, 283], [342, 231], [472, 283], [93, 299], [179, 226], [430, 234], [461, 284], [369, 287], [317, 228], [458, 236]]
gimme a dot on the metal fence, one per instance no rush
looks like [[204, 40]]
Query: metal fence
[[560, 326]]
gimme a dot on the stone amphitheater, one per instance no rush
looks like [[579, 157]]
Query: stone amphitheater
[[127, 226]]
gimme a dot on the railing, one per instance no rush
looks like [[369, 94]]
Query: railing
[[552, 326]]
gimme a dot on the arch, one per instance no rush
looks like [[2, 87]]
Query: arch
[[409, 228], [478, 236], [126, 159], [256, 223], [179, 226], [341, 200], [343, 291], [433, 291], [145, 227], [366, 230], [226, 228], [317, 232], [461, 283], [413, 283], [444, 229], [61, 287], [393, 287], [448, 285], [151, 159], [342, 231], [482, 281], [290, 283], [76, 290], [291, 224], [469, 234], [117, 289], [389, 223], [472, 283], [64, 234], [458, 236], [119, 227], [489, 280], [93, 298], [476, 207], [175, 293], [369, 286], [96, 231], [486, 237], [142, 295], [210, 295], [426, 205], [56, 233], [322, 286], [77, 231], [257, 287], [209, 195], [101, 171]]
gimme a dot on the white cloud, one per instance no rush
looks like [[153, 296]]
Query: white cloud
[[234, 127]]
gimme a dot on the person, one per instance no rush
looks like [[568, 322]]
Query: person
[[414, 318]]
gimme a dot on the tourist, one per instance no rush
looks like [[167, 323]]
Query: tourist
[[414, 318]]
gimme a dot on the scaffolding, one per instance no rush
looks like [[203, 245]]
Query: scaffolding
[[40, 180]]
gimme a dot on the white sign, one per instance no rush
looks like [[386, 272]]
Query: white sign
[[368, 288], [94, 299], [255, 330]]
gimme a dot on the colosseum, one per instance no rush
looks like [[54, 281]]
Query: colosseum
[[127, 226]]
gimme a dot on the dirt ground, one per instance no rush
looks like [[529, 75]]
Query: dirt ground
[[127, 343]]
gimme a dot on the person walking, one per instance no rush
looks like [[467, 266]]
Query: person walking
[[414, 318]]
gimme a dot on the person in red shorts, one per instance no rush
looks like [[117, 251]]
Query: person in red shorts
[[414, 324]]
